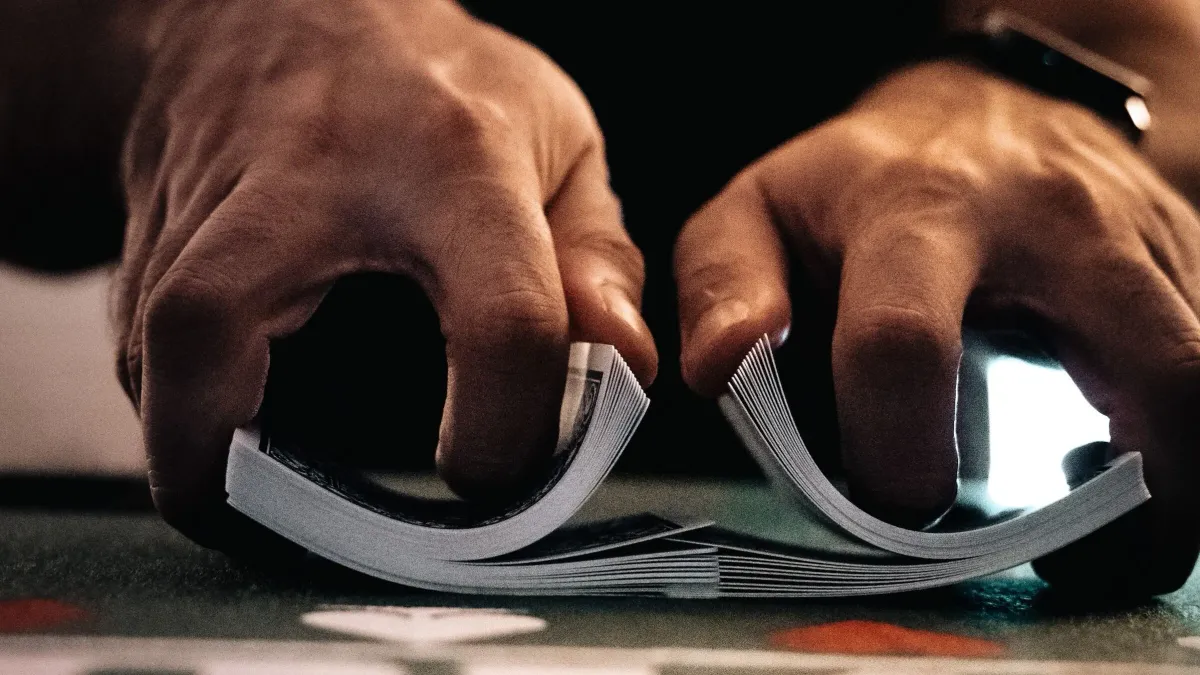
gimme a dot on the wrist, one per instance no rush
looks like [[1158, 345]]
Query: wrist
[[1034, 56], [1159, 39], [922, 91]]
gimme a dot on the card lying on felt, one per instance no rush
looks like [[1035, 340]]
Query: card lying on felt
[[529, 548]]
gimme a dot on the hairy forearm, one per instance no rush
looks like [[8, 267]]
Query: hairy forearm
[[1159, 39], [70, 74]]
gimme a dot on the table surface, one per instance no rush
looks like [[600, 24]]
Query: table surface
[[149, 594]]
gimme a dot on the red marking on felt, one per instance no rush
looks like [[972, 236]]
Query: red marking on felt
[[873, 637], [31, 614]]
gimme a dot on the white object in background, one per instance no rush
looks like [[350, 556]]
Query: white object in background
[[1036, 415], [527, 669], [423, 624], [62, 410], [299, 667]]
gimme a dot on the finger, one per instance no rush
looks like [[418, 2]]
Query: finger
[[1133, 344], [142, 228], [157, 236], [602, 271], [207, 324], [896, 351], [499, 297], [731, 271], [144, 184]]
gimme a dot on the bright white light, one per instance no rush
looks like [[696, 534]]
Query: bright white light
[[1035, 416]]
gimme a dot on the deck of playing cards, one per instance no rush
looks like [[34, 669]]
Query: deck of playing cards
[[529, 548]]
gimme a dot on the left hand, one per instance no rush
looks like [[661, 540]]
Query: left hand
[[278, 147], [946, 190]]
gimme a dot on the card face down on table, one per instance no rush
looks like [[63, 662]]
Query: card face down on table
[[531, 549]]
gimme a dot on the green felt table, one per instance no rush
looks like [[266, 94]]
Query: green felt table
[[154, 598]]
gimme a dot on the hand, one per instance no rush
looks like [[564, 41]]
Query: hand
[[946, 193], [277, 148]]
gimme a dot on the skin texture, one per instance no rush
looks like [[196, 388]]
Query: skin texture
[[944, 195], [264, 154], [271, 153]]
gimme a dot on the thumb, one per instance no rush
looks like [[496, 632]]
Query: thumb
[[602, 271], [731, 271]]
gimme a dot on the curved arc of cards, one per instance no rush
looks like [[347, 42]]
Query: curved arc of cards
[[258, 484], [757, 408]]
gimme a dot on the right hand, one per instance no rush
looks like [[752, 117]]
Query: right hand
[[276, 148], [947, 195]]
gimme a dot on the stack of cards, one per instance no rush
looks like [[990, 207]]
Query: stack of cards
[[977, 544], [529, 549]]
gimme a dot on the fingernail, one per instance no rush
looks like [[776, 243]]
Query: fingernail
[[620, 305], [718, 318], [780, 336]]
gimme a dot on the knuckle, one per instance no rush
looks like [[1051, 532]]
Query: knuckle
[[189, 303], [1183, 358], [1062, 195], [919, 175], [850, 138], [487, 220], [466, 125], [703, 283], [523, 316], [256, 201], [615, 247], [894, 333], [895, 186]]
